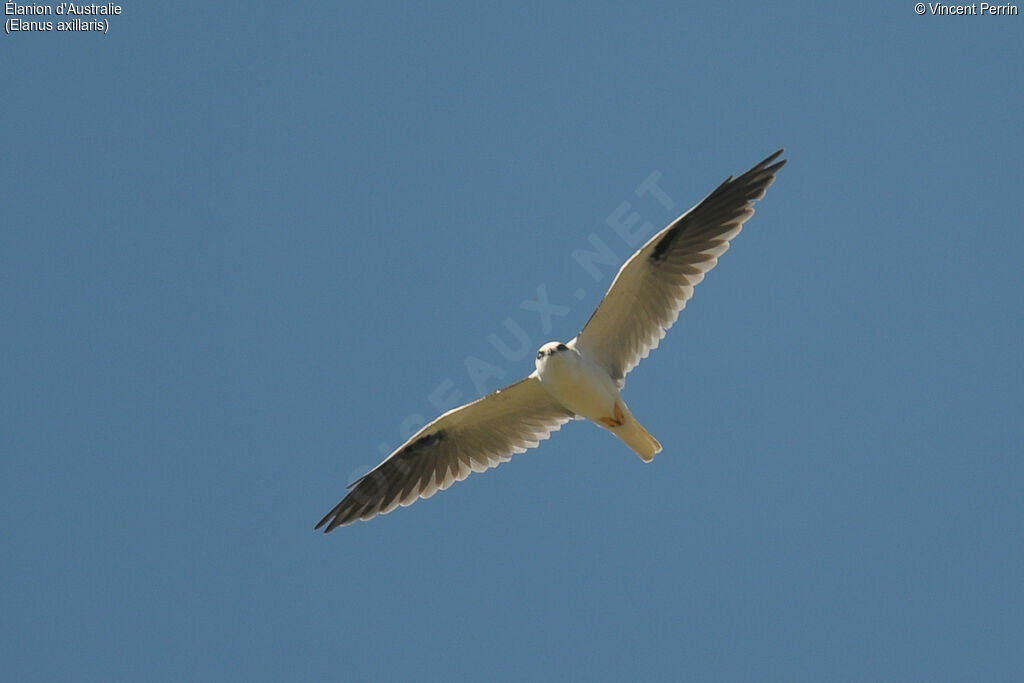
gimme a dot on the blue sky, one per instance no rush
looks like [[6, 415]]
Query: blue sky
[[244, 243]]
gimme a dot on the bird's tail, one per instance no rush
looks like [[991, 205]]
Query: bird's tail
[[636, 437]]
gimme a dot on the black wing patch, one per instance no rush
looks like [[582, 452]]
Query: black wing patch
[[728, 201], [383, 483]]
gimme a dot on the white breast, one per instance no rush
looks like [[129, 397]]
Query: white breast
[[578, 384]]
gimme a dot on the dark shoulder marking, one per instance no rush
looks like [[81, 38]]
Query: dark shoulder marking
[[425, 441]]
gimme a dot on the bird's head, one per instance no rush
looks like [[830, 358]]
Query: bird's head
[[550, 349]]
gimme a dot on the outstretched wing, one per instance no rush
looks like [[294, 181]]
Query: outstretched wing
[[472, 438], [653, 286]]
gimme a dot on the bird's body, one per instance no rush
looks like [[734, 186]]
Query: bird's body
[[581, 385], [577, 382], [578, 379]]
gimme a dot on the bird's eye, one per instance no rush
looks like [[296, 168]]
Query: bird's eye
[[540, 354], [563, 347]]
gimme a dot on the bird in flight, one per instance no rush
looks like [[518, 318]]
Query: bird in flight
[[578, 379]]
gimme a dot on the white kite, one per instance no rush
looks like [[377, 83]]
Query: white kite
[[578, 379]]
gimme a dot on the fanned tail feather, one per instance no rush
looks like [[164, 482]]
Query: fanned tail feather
[[639, 439]]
